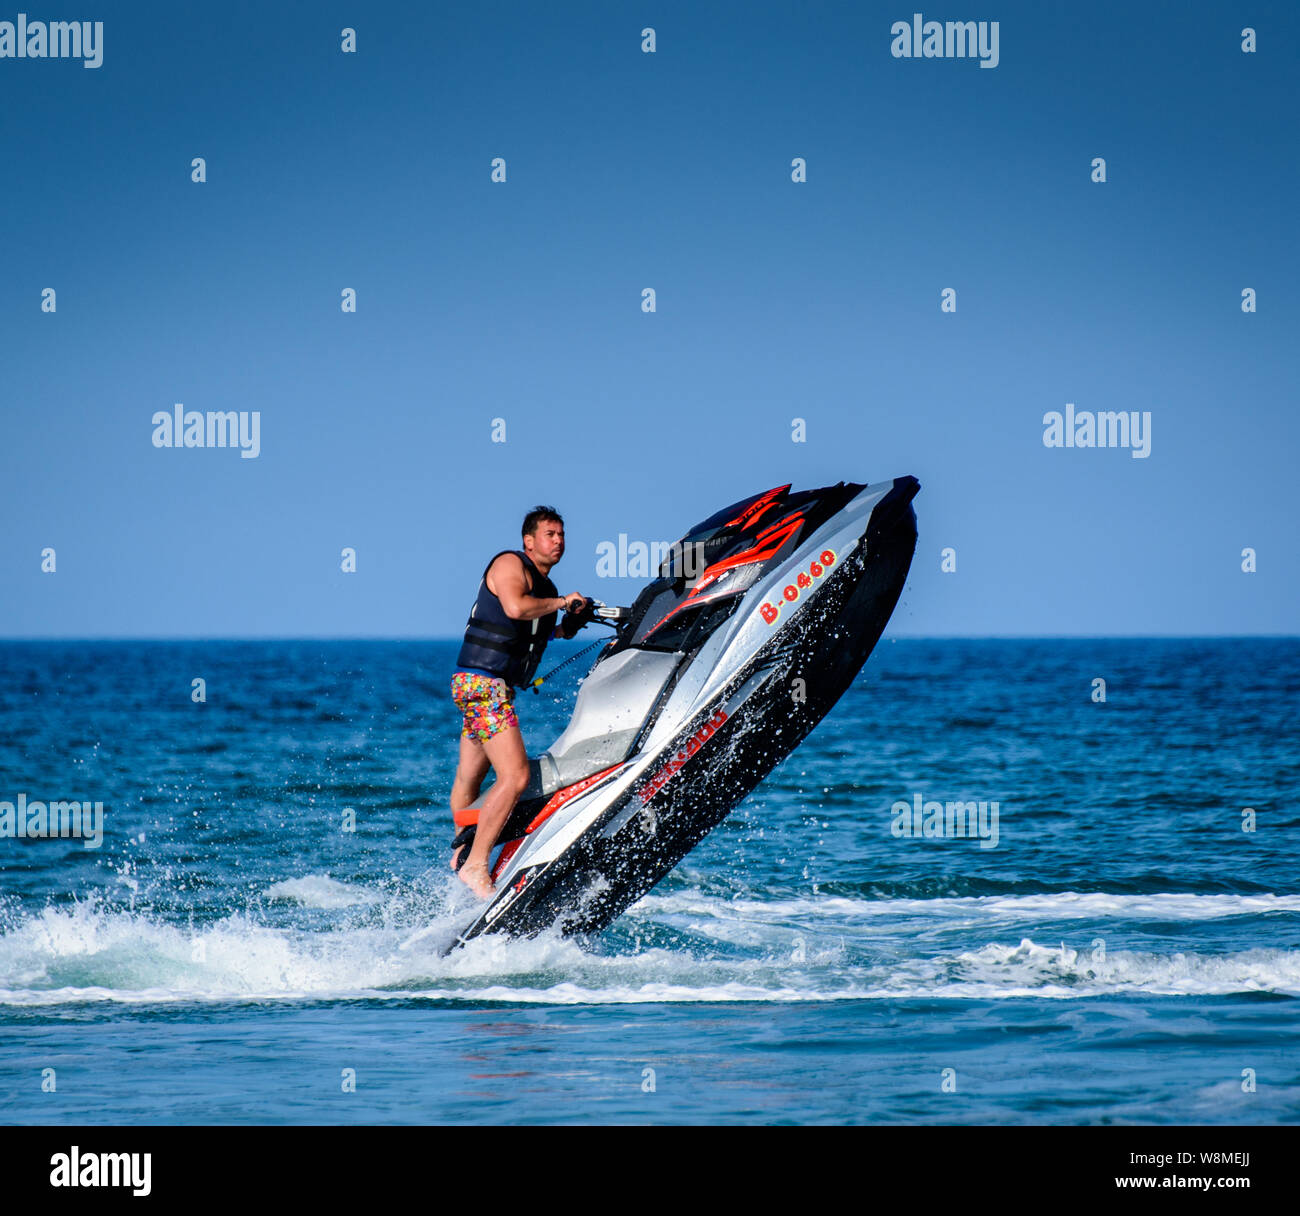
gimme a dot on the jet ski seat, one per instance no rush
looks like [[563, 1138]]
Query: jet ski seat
[[613, 705]]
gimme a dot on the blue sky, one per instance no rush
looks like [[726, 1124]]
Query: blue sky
[[522, 301]]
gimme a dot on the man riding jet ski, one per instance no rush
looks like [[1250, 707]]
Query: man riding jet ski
[[513, 618], [760, 618]]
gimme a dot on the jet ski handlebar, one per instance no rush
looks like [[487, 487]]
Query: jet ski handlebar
[[587, 610], [609, 614], [580, 612]]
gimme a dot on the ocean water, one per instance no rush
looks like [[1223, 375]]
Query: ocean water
[[1125, 954]]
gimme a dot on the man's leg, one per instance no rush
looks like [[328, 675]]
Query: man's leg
[[505, 751], [470, 772]]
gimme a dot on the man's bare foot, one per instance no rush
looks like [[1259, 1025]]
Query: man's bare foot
[[456, 855], [474, 874]]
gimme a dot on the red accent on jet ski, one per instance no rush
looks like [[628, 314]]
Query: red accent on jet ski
[[557, 800], [769, 537], [772, 537], [506, 854], [562, 796], [759, 505]]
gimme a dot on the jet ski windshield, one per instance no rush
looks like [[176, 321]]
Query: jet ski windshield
[[668, 622]]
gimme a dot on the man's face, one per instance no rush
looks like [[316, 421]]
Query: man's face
[[546, 542]]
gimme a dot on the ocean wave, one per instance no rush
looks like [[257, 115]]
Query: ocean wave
[[721, 951], [1061, 905]]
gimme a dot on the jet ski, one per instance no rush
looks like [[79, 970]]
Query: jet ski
[[760, 617]]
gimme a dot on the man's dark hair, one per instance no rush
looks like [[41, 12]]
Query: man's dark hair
[[537, 515]]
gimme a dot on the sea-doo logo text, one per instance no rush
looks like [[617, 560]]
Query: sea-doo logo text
[[674, 766], [515, 888], [793, 590], [102, 1169]]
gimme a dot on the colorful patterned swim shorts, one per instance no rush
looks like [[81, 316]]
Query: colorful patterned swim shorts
[[487, 705]]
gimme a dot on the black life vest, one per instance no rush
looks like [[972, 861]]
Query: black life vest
[[498, 643]]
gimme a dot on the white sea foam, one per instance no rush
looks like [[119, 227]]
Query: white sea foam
[[775, 951], [1065, 905], [321, 891]]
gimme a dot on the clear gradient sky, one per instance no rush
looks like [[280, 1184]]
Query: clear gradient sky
[[522, 301]]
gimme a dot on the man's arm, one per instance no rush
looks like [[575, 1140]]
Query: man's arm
[[507, 581]]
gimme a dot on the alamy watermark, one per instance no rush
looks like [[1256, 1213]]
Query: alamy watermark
[[77, 1168], [184, 428], [642, 559], [946, 820], [1107, 429], [23, 820], [23, 39], [920, 39]]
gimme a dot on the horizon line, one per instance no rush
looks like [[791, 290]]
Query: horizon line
[[905, 637]]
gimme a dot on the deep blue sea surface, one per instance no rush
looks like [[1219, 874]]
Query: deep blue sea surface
[[1127, 953]]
